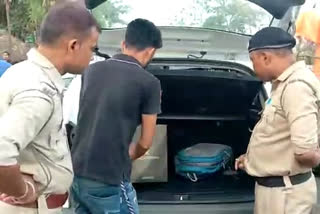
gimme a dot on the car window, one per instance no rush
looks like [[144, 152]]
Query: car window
[[238, 16]]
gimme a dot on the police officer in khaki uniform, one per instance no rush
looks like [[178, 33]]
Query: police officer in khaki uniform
[[35, 163], [284, 144]]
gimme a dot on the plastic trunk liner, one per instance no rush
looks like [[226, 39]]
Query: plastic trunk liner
[[216, 189]]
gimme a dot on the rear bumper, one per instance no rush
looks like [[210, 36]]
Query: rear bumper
[[236, 208]]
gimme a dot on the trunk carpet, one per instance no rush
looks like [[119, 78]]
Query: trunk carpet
[[216, 189]]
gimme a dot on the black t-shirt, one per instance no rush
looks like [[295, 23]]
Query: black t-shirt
[[114, 95]]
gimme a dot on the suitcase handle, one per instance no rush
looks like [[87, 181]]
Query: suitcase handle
[[194, 178]]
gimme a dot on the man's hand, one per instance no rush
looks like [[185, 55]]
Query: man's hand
[[239, 164], [30, 197], [309, 159], [148, 126], [132, 150], [136, 151]]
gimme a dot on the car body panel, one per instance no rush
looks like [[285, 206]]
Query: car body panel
[[187, 42]]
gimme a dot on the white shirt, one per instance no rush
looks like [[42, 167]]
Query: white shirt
[[31, 129]]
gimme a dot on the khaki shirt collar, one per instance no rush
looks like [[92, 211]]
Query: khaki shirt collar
[[289, 71], [40, 60]]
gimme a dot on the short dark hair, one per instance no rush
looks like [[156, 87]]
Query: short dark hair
[[6, 52], [66, 19], [281, 52], [142, 34]]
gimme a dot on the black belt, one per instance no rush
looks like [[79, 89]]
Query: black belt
[[277, 181]]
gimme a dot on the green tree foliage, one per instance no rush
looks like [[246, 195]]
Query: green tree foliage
[[109, 13], [232, 15], [3, 19], [26, 15], [20, 19], [37, 11], [190, 16]]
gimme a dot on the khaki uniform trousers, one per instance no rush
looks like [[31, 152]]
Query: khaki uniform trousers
[[10, 209], [291, 199]]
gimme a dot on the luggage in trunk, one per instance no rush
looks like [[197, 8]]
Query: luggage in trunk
[[202, 160], [153, 166]]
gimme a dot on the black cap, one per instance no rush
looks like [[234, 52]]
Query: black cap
[[271, 38]]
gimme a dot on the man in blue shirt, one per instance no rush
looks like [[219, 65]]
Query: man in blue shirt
[[4, 65]]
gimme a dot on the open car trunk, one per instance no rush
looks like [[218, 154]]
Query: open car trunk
[[205, 106], [222, 187]]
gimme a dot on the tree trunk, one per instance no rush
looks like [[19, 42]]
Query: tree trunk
[[8, 25]]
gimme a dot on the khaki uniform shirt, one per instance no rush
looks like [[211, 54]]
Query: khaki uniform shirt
[[31, 130], [289, 125]]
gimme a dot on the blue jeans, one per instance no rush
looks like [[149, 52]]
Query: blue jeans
[[91, 197]]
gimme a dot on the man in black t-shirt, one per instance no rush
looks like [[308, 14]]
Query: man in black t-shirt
[[116, 96]]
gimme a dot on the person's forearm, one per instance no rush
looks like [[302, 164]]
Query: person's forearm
[[309, 159], [11, 181], [138, 151]]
